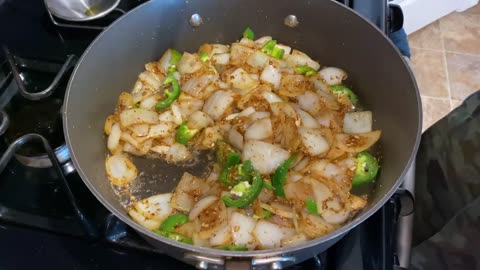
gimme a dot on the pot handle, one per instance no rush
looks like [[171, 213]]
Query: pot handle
[[206, 262]]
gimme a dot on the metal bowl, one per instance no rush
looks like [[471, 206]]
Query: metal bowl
[[81, 10]]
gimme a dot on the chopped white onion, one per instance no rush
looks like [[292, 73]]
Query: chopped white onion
[[219, 49], [196, 85], [150, 80], [114, 137], [148, 103], [329, 205], [239, 53], [155, 207], [298, 58], [261, 41], [319, 83], [189, 63], [354, 143], [189, 106], [271, 75], [259, 115], [218, 104], [199, 120], [235, 139], [178, 152], [258, 60], [307, 120], [270, 235], [200, 206], [309, 102], [221, 237], [164, 62], [143, 94], [333, 75], [162, 130], [271, 97], [240, 79], [314, 226], [137, 116], [177, 114], [265, 157], [150, 224], [246, 112], [221, 59], [139, 130], [241, 228], [120, 170], [166, 116], [259, 130], [357, 122], [313, 141]]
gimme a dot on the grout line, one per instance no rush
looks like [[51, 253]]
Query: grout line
[[446, 69], [437, 98], [447, 51]]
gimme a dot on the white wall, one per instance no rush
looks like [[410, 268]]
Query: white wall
[[419, 13]]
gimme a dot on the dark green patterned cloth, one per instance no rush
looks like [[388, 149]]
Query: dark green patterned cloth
[[447, 192]]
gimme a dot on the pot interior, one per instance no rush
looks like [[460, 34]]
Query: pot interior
[[327, 32]]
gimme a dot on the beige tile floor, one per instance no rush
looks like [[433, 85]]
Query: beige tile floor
[[446, 62]]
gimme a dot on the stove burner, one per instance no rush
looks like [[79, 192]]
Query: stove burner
[[35, 111]]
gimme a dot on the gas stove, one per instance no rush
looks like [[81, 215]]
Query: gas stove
[[48, 217]]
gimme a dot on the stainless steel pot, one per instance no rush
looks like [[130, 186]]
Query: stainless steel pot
[[327, 31]]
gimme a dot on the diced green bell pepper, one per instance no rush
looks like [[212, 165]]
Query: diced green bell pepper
[[204, 57], [367, 169], [184, 134], [248, 33], [311, 206], [175, 57], [279, 178], [343, 90], [172, 95], [305, 70], [173, 221], [175, 236], [249, 194]]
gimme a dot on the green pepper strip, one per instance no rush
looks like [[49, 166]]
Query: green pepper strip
[[235, 247], [184, 134], [204, 57], [169, 224], [343, 90], [311, 206], [305, 70], [248, 196], [268, 47], [277, 53], [175, 236], [167, 228], [367, 169], [230, 169], [248, 33], [279, 178], [175, 57], [171, 96]]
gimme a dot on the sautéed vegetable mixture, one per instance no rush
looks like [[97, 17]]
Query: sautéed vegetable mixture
[[289, 139]]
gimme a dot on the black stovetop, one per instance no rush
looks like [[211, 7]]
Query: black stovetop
[[39, 228]]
